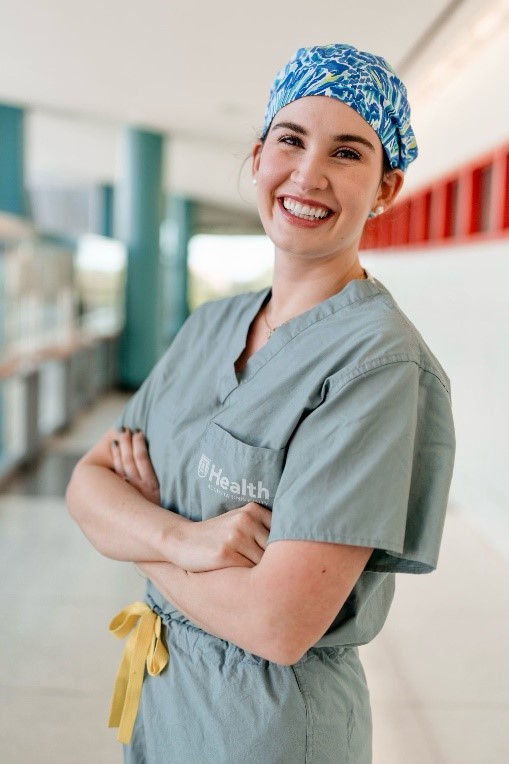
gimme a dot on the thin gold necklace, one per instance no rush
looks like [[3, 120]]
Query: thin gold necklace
[[272, 329]]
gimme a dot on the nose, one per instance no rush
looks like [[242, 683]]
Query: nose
[[309, 174]]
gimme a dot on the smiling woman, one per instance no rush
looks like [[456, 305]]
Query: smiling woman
[[289, 454]]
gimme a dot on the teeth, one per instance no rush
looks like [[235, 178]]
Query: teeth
[[304, 210]]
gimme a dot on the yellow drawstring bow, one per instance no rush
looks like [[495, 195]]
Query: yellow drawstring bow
[[143, 646]]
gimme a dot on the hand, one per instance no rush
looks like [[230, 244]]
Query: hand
[[237, 538], [132, 463]]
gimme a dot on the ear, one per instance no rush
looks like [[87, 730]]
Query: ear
[[390, 186], [255, 157]]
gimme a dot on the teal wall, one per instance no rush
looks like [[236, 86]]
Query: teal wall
[[137, 219], [176, 230], [12, 187]]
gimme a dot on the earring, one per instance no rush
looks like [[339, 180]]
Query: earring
[[254, 181], [377, 211]]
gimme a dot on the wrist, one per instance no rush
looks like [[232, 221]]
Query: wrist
[[174, 534]]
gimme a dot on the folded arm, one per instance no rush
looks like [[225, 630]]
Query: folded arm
[[113, 496], [274, 601], [277, 609]]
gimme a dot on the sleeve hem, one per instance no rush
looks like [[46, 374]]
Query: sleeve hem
[[386, 557], [375, 364]]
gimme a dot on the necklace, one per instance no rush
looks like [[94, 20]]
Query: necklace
[[272, 329]]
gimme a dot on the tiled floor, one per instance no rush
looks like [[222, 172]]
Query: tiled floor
[[438, 672]]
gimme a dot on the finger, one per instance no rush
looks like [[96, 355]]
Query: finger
[[246, 561], [237, 559], [266, 517], [254, 524], [117, 458], [142, 459], [127, 456], [262, 538], [253, 553], [253, 544], [262, 514]]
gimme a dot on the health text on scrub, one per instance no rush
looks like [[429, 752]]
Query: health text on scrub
[[221, 483]]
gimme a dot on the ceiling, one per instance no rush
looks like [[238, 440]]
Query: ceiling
[[199, 72]]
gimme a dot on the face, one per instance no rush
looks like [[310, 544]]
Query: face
[[318, 175]]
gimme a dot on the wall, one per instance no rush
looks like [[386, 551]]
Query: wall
[[460, 109], [458, 299]]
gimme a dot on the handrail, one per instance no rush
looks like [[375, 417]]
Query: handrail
[[19, 361]]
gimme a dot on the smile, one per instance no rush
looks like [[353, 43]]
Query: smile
[[304, 211]]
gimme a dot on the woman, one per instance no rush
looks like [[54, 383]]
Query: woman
[[301, 437]]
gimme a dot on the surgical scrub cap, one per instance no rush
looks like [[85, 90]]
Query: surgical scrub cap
[[361, 80]]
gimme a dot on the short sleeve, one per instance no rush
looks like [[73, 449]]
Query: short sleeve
[[372, 466], [137, 410]]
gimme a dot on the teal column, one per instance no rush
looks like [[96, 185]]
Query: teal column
[[12, 187], [176, 231], [105, 212], [3, 301], [138, 208]]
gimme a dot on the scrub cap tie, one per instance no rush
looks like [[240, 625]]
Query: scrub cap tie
[[363, 81]]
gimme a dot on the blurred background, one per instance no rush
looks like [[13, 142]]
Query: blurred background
[[126, 201]]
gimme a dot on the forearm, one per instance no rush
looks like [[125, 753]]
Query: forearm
[[118, 521], [277, 609], [230, 603]]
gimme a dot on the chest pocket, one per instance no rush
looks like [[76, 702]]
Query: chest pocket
[[231, 473]]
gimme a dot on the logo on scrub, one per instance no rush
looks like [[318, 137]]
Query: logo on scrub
[[204, 466], [221, 483]]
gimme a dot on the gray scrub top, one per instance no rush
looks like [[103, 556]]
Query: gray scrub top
[[341, 424]]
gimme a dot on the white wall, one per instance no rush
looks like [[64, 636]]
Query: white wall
[[458, 299], [460, 103]]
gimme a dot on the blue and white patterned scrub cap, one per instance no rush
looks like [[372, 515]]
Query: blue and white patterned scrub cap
[[361, 80]]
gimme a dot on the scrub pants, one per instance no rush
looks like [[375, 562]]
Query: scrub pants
[[214, 703]]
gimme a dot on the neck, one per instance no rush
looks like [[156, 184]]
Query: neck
[[299, 286]]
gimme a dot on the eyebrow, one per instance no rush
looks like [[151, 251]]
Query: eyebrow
[[341, 138]]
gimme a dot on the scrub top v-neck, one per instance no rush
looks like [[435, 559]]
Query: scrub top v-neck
[[232, 378], [340, 424]]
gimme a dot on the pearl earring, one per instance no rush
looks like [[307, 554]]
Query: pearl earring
[[254, 181], [377, 211]]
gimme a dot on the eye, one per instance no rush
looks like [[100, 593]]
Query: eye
[[346, 153], [290, 140]]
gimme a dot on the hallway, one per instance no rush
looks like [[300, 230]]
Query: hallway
[[437, 673]]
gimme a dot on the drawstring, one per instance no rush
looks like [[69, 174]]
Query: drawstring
[[144, 646]]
